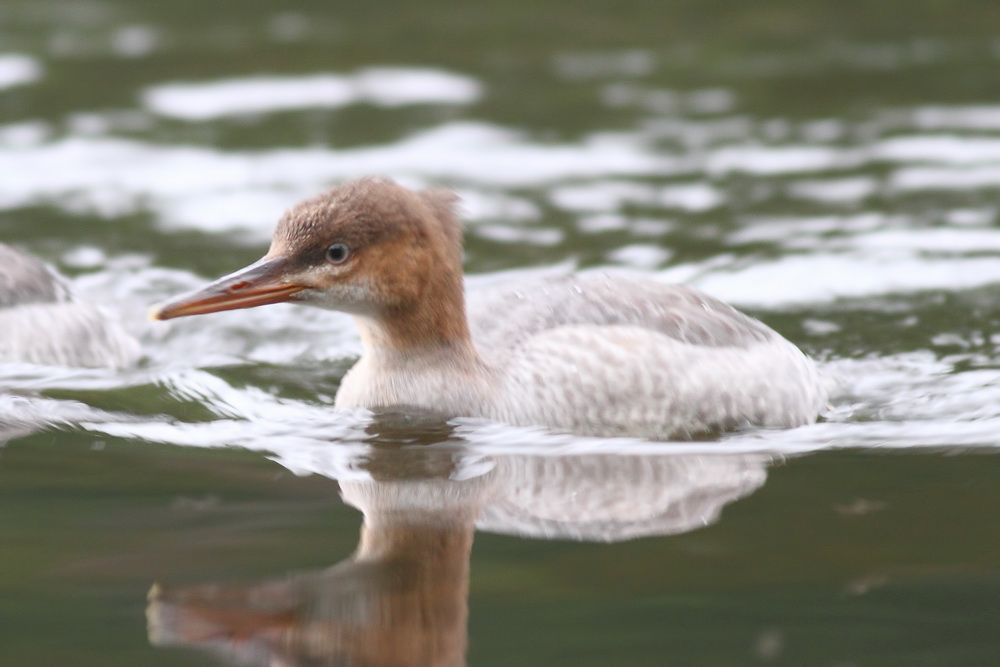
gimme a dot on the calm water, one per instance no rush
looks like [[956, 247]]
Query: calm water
[[832, 168]]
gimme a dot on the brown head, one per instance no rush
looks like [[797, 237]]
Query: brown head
[[371, 248]]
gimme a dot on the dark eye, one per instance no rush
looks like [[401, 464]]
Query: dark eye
[[338, 253]]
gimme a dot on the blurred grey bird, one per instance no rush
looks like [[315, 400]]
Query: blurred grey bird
[[43, 322]]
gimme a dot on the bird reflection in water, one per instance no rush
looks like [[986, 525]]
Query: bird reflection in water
[[401, 598]]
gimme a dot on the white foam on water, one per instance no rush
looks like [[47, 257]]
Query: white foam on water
[[780, 159], [931, 178], [694, 197], [483, 204], [379, 86], [818, 277], [545, 236], [187, 186], [934, 240], [945, 149], [640, 256], [604, 195], [28, 133], [17, 69], [834, 190], [792, 229], [612, 195], [978, 117]]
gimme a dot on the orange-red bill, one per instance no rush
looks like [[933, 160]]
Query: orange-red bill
[[259, 284]]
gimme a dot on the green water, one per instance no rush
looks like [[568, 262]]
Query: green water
[[844, 557], [830, 167]]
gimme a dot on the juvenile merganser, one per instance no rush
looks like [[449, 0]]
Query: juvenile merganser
[[42, 322], [591, 354]]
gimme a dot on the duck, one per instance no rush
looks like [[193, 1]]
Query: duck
[[594, 354], [42, 321]]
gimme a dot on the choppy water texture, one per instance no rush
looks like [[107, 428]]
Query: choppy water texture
[[831, 168]]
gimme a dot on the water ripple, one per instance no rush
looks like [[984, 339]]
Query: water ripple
[[383, 86]]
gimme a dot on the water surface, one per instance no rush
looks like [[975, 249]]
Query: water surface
[[830, 168]]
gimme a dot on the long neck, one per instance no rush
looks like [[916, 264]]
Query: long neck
[[430, 325], [418, 348]]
